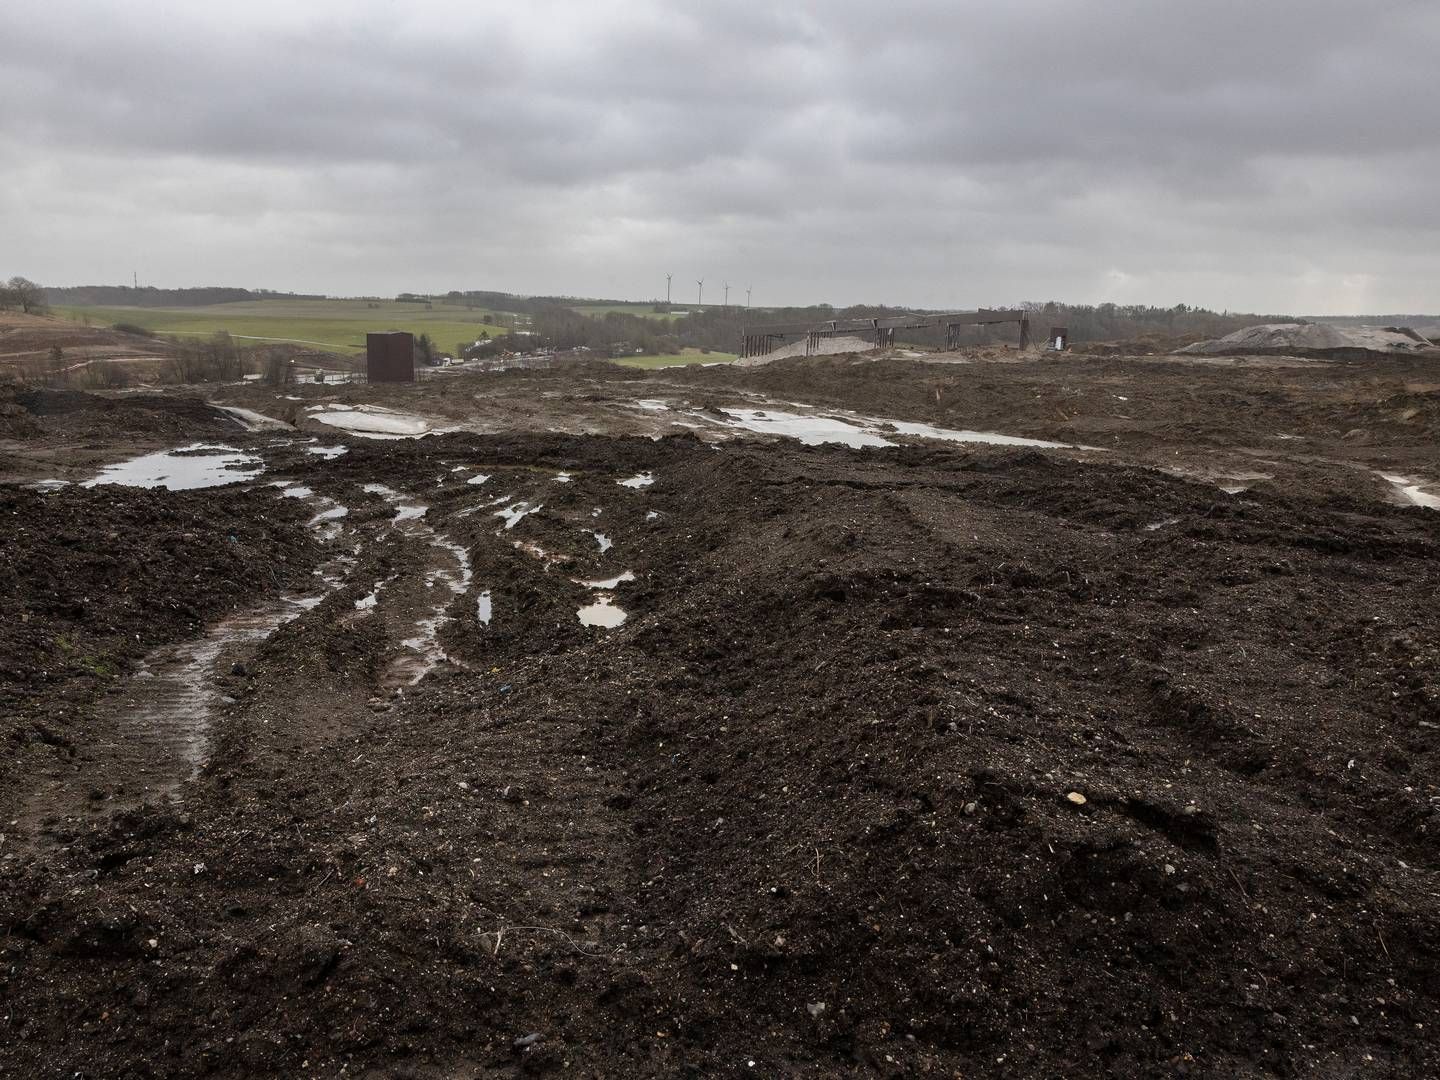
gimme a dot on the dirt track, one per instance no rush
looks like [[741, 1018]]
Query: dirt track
[[929, 760]]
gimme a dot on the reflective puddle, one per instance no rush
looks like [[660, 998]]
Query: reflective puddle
[[517, 512], [601, 613], [199, 465], [609, 583], [639, 480], [1412, 491]]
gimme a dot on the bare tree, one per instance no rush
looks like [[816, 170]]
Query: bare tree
[[25, 294]]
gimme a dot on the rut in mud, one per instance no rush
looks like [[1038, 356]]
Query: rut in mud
[[904, 761]]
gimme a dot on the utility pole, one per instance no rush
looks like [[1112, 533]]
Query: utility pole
[[667, 288], [699, 291], [727, 295]]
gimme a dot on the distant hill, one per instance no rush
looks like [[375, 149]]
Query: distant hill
[[149, 296]]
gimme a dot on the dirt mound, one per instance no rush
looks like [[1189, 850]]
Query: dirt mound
[[1309, 339], [904, 762], [33, 413]]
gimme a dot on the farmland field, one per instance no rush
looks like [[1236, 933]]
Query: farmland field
[[340, 325]]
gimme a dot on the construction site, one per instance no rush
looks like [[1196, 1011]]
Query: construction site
[[854, 709]]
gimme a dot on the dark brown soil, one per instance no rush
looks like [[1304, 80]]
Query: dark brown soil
[[909, 762]]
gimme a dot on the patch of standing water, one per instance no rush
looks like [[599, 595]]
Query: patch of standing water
[[563, 478], [327, 451], [609, 583], [639, 480], [199, 465], [601, 613], [949, 435], [334, 513], [514, 514], [861, 430], [478, 478], [1413, 492], [601, 539], [299, 491], [810, 430]]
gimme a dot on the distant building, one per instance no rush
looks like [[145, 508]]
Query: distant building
[[390, 357]]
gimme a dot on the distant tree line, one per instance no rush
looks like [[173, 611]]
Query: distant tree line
[[149, 296]]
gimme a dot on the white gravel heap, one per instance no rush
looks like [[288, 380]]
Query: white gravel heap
[[1283, 337]]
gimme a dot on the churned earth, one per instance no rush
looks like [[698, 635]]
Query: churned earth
[[679, 742]]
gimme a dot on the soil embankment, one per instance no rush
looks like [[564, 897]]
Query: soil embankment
[[914, 761]]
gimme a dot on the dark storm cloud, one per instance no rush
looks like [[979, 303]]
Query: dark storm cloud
[[1272, 156]]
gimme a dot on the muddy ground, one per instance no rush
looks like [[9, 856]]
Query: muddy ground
[[930, 760]]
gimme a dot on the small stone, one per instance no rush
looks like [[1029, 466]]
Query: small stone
[[524, 1042], [154, 943], [971, 809], [1169, 869], [1076, 798], [815, 1008]]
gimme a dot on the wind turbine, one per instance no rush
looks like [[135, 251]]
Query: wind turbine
[[727, 294], [699, 291], [748, 290], [667, 288]]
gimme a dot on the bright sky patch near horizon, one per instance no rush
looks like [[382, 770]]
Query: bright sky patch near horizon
[[1271, 157]]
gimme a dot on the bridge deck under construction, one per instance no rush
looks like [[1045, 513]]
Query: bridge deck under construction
[[759, 340]]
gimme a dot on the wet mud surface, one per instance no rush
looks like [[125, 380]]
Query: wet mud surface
[[920, 760]]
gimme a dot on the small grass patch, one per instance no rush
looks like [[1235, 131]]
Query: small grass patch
[[689, 356]]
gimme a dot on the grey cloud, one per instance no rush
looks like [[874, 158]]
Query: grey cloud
[[1241, 155]]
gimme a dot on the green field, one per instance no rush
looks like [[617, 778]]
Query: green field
[[689, 356], [338, 325]]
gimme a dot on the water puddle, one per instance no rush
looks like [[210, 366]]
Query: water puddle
[[478, 478], [334, 513], [327, 451], [810, 430], [639, 480], [562, 478], [861, 431], [517, 512], [1412, 491], [926, 431], [299, 491], [609, 583], [601, 539], [199, 465], [601, 613], [422, 650]]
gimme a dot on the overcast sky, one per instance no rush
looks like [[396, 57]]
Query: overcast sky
[[1261, 155]]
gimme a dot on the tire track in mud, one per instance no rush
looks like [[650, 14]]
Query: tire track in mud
[[155, 728]]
